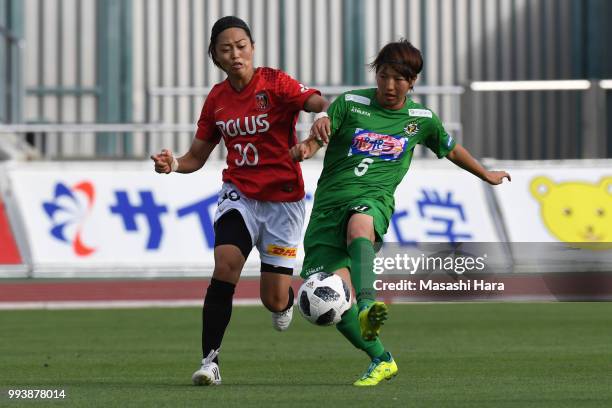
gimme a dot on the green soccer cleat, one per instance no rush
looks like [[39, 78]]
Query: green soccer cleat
[[377, 371], [371, 318]]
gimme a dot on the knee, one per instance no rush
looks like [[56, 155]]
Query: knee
[[360, 226], [226, 270], [275, 302], [359, 231]]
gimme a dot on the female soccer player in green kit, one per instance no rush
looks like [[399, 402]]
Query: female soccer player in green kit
[[371, 135]]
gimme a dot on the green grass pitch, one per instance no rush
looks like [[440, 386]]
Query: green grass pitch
[[449, 355]]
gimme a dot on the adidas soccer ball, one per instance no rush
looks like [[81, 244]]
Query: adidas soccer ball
[[323, 298]]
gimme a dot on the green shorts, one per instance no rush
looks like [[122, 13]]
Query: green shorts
[[325, 247]]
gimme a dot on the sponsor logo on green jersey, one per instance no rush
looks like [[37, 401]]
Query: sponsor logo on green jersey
[[423, 113], [355, 109], [369, 143], [357, 98]]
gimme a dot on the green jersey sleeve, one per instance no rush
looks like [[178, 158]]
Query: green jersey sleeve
[[337, 112], [438, 140]]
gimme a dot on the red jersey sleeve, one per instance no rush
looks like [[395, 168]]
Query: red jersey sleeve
[[293, 93], [207, 129]]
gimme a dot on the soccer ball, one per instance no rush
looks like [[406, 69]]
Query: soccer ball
[[323, 298]]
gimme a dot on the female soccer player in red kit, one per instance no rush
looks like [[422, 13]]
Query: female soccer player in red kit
[[261, 202]]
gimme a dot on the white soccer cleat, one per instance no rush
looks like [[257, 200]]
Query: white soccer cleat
[[209, 373], [282, 320]]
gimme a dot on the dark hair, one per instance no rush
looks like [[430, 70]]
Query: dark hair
[[402, 56], [223, 24]]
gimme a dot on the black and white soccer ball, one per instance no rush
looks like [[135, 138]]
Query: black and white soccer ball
[[323, 298]]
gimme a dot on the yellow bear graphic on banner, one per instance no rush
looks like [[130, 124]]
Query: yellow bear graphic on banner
[[575, 211]]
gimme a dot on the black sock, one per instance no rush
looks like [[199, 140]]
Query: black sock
[[290, 302], [216, 314]]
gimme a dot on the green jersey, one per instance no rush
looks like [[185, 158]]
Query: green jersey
[[371, 148]]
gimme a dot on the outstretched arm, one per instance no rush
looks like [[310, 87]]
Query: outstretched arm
[[193, 160], [319, 132], [319, 135], [462, 158]]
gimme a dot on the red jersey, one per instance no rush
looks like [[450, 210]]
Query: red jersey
[[258, 127]]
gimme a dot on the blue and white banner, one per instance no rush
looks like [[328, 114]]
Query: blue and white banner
[[122, 219]]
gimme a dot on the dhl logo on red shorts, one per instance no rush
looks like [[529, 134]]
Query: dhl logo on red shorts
[[282, 251]]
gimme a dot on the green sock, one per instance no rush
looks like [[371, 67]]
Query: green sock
[[362, 254], [349, 327]]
